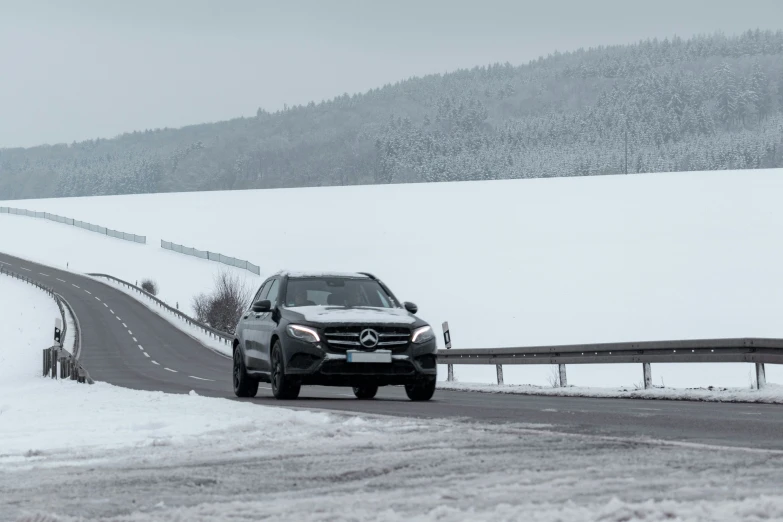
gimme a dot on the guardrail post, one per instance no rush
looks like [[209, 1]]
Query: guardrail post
[[647, 375], [447, 340], [563, 376], [499, 368], [761, 376]]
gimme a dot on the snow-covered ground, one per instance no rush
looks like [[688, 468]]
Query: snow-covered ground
[[519, 262], [771, 394]]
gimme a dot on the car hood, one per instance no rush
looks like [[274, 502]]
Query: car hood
[[322, 315]]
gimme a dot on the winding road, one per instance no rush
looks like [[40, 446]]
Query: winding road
[[126, 344]]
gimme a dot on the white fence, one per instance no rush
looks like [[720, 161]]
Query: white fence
[[75, 222], [212, 256]]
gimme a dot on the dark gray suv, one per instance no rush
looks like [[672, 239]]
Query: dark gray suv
[[332, 330]]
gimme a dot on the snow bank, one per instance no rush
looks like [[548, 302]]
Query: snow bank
[[771, 394], [27, 318], [507, 263]]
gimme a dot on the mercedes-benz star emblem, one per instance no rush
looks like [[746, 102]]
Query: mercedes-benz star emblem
[[369, 338]]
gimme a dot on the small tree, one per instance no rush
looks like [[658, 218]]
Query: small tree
[[224, 306], [149, 286]]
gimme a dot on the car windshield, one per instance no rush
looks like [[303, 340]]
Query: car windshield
[[336, 291]]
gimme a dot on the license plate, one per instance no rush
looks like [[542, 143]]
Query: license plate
[[378, 356]]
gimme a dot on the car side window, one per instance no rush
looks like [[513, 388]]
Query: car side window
[[274, 290], [260, 292]]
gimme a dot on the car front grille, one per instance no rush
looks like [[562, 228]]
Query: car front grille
[[394, 338]]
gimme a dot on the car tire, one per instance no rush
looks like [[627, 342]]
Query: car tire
[[244, 384], [283, 386], [367, 391], [421, 391]]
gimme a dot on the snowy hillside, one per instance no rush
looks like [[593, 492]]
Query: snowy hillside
[[641, 257]]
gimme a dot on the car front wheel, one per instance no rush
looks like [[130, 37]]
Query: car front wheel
[[421, 391], [283, 386], [244, 384], [366, 391]]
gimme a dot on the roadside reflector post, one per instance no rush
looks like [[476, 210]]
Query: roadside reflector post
[[761, 376], [563, 376], [447, 341], [58, 328], [647, 375], [499, 368]]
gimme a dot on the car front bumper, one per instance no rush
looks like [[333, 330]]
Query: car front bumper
[[317, 364]]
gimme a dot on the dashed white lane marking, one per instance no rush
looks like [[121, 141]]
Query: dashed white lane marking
[[23, 268], [104, 304], [146, 354], [118, 318], [170, 370], [112, 311], [45, 275], [61, 280], [4, 263], [135, 340], [125, 325], [141, 348], [130, 333], [88, 292], [75, 286], [155, 362], [97, 298], [200, 378]]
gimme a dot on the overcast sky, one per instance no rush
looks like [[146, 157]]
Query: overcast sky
[[72, 70]]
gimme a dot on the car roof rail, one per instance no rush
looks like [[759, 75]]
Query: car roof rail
[[368, 274]]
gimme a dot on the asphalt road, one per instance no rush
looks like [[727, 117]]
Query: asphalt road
[[126, 344]]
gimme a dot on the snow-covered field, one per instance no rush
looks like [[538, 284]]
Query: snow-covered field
[[520, 262], [74, 452]]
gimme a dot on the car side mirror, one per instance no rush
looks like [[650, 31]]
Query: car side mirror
[[411, 307], [261, 307]]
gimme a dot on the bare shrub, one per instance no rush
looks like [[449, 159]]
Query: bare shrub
[[149, 286], [201, 307], [222, 308], [554, 376]]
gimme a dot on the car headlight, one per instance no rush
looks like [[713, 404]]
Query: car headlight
[[422, 335], [303, 333]]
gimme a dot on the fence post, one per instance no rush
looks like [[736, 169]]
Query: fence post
[[563, 376], [447, 340], [647, 375], [761, 376], [499, 368]]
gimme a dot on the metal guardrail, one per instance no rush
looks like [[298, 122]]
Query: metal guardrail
[[212, 256], [75, 222], [212, 332], [56, 358], [745, 350]]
